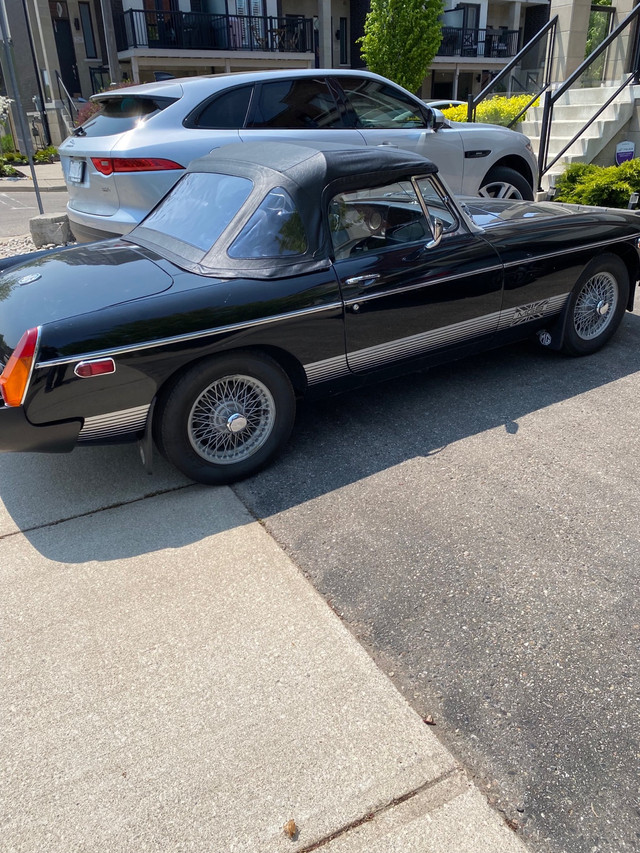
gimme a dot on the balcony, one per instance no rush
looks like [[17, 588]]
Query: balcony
[[488, 43], [137, 28]]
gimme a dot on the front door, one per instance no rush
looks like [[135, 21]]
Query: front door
[[64, 46], [403, 297]]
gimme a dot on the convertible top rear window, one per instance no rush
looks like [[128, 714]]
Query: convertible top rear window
[[119, 114], [199, 208]]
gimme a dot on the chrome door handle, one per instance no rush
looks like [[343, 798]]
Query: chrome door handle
[[363, 280]]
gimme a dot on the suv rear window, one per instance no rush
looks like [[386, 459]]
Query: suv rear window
[[118, 115]]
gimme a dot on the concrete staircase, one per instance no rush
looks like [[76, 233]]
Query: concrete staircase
[[570, 114]]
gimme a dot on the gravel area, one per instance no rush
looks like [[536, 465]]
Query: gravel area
[[10, 246]]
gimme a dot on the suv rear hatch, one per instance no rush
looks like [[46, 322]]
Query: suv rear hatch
[[87, 157]]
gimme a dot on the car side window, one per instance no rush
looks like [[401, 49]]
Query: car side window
[[438, 205], [301, 104], [275, 229], [378, 105], [226, 112], [375, 219]]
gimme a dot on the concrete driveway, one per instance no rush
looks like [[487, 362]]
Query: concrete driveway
[[172, 682]]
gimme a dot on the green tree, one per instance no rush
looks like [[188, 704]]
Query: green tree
[[401, 37]]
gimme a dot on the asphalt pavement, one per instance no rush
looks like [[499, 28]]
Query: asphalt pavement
[[18, 201], [172, 681], [476, 527]]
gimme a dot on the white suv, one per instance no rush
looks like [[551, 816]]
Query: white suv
[[124, 159]]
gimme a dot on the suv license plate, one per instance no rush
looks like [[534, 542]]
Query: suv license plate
[[76, 171]]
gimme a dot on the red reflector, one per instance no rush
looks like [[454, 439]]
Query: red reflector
[[95, 368], [108, 165]]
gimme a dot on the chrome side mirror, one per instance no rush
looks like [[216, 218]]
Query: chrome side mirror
[[437, 234]]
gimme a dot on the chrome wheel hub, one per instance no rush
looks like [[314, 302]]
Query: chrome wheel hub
[[595, 306], [237, 422], [231, 419]]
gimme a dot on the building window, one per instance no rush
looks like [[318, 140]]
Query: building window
[[344, 59], [87, 30]]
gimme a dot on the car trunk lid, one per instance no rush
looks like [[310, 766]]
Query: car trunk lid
[[73, 282]]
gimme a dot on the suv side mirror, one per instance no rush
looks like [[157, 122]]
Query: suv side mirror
[[438, 120]]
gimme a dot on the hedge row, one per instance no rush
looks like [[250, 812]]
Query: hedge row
[[603, 186], [496, 110]]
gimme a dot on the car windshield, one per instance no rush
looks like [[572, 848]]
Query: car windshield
[[199, 208]]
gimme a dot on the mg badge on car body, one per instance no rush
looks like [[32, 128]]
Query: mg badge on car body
[[29, 279]]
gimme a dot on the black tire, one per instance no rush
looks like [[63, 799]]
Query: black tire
[[504, 182], [226, 417], [596, 305]]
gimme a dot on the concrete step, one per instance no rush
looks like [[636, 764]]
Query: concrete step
[[570, 114]]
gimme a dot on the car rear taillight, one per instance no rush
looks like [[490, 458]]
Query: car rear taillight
[[15, 376], [109, 165]]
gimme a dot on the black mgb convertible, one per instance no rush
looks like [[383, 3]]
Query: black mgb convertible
[[277, 271]]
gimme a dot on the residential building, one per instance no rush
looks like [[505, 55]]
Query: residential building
[[79, 47]]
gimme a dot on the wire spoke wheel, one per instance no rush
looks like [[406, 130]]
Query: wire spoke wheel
[[225, 417], [231, 419], [595, 306]]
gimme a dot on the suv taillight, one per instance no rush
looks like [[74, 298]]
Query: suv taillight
[[108, 165], [15, 376]]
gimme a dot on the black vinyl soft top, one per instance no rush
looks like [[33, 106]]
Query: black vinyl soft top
[[310, 174]]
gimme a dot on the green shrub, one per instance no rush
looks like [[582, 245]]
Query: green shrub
[[6, 169], [6, 143], [496, 110], [15, 157], [46, 155], [602, 186]]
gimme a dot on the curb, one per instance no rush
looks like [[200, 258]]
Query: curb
[[26, 185]]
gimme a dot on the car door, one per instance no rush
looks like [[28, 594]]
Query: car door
[[385, 115], [302, 109], [407, 294]]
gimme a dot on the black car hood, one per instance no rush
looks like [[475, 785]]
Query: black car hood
[[71, 282], [490, 212]]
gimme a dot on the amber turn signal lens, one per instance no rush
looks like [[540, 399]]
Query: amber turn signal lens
[[15, 376]]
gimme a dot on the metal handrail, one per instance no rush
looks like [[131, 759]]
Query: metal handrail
[[66, 97], [552, 97], [588, 124], [473, 101]]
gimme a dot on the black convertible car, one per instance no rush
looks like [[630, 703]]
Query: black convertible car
[[276, 271]]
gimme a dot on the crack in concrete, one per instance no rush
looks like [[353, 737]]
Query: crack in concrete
[[432, 784], [95, 511]]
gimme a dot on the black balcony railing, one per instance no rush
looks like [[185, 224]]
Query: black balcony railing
[[494, 43], [199, 31]]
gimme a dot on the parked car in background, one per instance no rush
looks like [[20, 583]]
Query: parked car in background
[[275, 271], [444, 105], [121, 162]]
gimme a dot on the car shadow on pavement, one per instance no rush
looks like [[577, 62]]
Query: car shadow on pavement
[[349, 437], [336, 442]]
